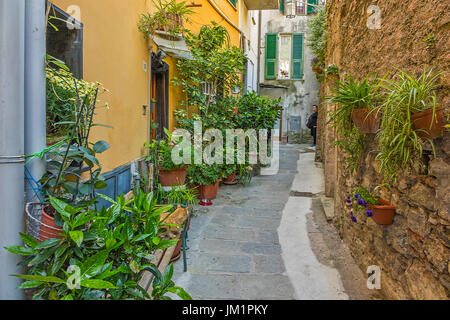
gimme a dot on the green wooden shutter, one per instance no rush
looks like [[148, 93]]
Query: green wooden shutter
[[271, 55], [312, 10], [233, 2], [282, 6], [297, 56]]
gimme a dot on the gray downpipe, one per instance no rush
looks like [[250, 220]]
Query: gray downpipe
[[12, 22], [35, 97]]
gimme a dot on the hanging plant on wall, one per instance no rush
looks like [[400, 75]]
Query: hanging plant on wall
[[356, 100], [401, 136], [169, 17]]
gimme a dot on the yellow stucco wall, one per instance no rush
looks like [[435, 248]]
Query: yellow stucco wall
[[114, 52], [203, 15]]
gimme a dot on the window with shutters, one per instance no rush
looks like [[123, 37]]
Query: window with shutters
[[298, 7], [284, 56]]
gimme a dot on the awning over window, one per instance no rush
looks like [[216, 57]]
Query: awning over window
[[174, 46]]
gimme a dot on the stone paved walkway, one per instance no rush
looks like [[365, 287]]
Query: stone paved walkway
[[234, 246]]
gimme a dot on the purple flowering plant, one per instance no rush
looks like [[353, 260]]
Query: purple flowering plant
[[359, 201]]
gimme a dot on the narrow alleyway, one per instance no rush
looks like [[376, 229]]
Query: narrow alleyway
[[270, 240]]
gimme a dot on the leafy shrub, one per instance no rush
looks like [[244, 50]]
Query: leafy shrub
[[111, 248]]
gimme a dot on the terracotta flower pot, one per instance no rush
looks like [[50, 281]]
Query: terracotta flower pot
[[423, 121], [231, 180], [176, 177], [48, 229], [383, 214], [366, 123], [316, 70], [209, 192]]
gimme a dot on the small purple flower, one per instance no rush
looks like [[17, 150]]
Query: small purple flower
[[361, 202], [357, 196], [348, 201], [369, 213], [354, 219]]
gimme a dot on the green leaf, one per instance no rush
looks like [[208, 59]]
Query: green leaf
[[30, 284], [49, 279], [28, 240], [97, 284], [61, 207], [48, 243], [180, 292], [101, 146], [77, 237], [156, 240], [94, 264], [20, 250], [68, 297], [134, 266]]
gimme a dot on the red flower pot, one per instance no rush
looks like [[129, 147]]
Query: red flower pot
[[209, 192], [230, 180], [175, 177], [424, 121], [48, 229], [383, 214], [366, 123]]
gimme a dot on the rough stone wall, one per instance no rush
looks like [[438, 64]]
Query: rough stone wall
[[413, 252]]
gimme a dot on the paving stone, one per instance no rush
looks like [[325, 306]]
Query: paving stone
[[267, 237], [219, 246], [260, 248], [226, 220], [209, 286], [267, 213], [265, 287], [217, 262], [268, 264], [259, 223], [228, 233]]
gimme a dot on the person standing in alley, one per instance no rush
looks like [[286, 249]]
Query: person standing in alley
[[312, 124]]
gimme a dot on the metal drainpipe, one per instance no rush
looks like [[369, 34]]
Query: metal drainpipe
[[35, 96], [259, 51], [12, 21]]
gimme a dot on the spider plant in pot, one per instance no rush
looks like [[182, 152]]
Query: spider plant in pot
[[362, 201], [357, 101], [207, 178], [400, 137], [160, 152]]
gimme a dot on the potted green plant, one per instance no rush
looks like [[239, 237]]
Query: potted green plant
[[402, 134], [362, 200], [359, 101], [332, 72], [229, 174], [160, 152], [111, 248], [169, 17], [63, 180], [206, 178]]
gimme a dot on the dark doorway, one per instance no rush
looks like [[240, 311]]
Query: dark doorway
[[160, 93]]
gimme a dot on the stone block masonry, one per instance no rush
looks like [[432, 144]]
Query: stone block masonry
[[414, 252]]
